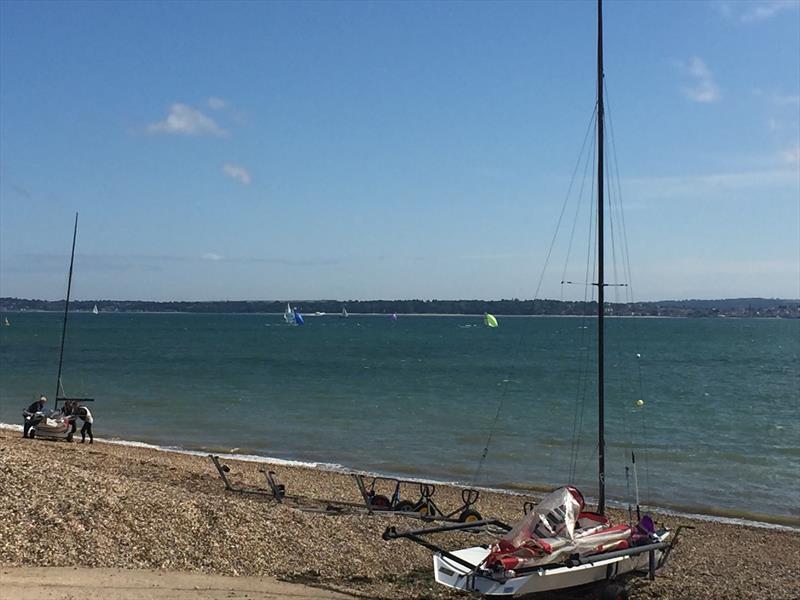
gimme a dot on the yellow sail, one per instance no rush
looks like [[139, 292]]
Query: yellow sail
[[489, 320]]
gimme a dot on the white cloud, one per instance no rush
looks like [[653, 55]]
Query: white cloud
[[708, 187], [185, 120], [237, 172], [785, 100], [217, 103], [212, 256], [761, 11], [792, 155], [704, 88]]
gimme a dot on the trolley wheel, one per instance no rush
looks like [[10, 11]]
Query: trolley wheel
[[469, 516], [423, 510], [226, 468], [404, 506], [379, 502], [614, 592], [32, 432]]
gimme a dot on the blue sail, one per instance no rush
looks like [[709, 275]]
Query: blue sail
[[298, 318]]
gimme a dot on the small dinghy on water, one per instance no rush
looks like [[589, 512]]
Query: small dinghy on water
[[558, 544]]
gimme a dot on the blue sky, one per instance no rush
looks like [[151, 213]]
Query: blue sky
[[391, 150]]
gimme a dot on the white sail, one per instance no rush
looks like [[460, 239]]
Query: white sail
[[95, 311], [288, 315]]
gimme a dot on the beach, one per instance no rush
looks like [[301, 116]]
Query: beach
[[108, 506]]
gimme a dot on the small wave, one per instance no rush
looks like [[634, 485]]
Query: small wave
[[204, 453]]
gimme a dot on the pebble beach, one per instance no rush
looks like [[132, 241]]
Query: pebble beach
[[110, 506]]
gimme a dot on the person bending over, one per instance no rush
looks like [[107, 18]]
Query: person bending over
[[85, 414]]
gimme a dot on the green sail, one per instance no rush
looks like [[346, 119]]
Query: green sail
[[489, 320]]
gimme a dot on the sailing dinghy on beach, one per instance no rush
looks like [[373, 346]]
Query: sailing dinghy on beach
[[57, 424], [558, 544]]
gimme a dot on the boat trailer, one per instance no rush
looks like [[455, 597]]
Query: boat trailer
[[424, 507]]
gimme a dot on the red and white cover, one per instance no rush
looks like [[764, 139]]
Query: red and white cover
[[555, 529]]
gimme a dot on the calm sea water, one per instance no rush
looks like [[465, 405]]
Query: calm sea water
[[719, 431]]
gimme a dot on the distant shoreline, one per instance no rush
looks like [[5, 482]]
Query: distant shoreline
[[722, 308]]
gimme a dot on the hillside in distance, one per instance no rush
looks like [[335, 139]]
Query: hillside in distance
[[729, 307]]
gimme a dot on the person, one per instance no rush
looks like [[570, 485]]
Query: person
[[69, 412], [85, 414], [30, 414]]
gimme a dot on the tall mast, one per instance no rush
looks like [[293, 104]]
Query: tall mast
[[601, 445], [66, 310]]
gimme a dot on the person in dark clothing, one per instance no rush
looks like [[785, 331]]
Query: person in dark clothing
[[69, 411], [30, 414], [85, 414]]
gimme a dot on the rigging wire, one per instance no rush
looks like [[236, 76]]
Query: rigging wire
[[518, 344], [629, 290], [583, 377]]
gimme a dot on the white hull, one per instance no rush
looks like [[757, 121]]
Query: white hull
[[459, 577]]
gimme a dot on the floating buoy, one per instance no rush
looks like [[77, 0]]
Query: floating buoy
[[640, 402]]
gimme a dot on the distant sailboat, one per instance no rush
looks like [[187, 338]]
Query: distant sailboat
[[298, 318], [489, 320], [288, 315], [6, 322], [393, 318], [95, 311], [344, 314]]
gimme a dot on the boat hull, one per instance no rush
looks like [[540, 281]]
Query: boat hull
[[457, 576]]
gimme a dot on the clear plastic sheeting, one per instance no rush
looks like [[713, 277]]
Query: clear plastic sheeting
[[554, 530]]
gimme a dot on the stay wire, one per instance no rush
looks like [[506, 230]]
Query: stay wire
[[518, 344], [630, 290], [583, 378]]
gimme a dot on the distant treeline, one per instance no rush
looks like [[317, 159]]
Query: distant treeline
[[738, 307]]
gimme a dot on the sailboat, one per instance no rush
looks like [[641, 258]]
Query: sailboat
[[489, 320], [55, 424], [6, 322], [95, 311], [288, 315], [344, 314], [558, 544]]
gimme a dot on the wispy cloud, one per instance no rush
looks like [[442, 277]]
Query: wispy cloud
[[21, 191], [217, 103], [212, 256], [708, 187], [760, 11], [792, 155], [236, 172], [185, 120], [704, 88]]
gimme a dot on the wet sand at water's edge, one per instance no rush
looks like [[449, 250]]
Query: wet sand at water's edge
[[139, 522]]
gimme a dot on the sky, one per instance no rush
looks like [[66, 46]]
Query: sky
[[395, 150]]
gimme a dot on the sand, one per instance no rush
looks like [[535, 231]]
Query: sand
[[78, 583], [106, 506]]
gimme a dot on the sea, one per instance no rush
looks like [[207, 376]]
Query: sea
[[708, 406]]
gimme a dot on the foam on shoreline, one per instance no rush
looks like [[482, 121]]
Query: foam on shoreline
[[342, 469]]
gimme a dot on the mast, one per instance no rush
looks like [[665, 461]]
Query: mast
[[66, 310], [601, 446]]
